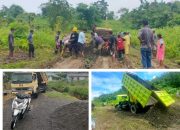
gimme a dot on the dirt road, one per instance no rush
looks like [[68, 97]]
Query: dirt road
[[107, 118], [50, 114], [69, 63], [133, 61]]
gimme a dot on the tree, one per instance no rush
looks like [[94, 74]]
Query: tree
[[55, 8], [102, 7], [87, 15], [14, 11], [110, 15], [159, 14]]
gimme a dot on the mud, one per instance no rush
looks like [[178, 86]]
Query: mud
[[73, 116], [70, 62], [43, 114], [18, 56], [157, 118]]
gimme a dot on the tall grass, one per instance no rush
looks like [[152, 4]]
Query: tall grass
[[78, 89]]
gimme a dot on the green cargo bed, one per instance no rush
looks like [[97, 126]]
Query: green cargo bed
[[137, 90]]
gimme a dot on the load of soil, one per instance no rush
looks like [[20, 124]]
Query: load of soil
[[73, 116], [162, 117]]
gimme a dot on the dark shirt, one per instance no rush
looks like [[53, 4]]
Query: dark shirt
[[11, 39], [74, 38], [30, 38], [112, 40], [57, 38], [146, 37]]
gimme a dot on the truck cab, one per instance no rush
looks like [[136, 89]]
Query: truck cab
[[28, 82]]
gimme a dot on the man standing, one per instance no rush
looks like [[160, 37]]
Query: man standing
[[31, 44], [73, 40], [127, 43], [57, 41], [81, 41], [112, 41], [147, 42], [11, 42]]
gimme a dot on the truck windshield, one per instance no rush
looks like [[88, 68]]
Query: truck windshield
[[22, 77]]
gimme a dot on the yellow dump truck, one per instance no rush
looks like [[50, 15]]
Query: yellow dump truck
[[29, 82], [104, 32], [140, 95]]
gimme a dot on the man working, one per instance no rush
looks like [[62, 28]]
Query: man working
[[147, 41], [11, 42], [81, 42], [73, 40]]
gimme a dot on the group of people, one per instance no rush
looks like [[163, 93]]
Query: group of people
[[151, 45], [11, 43], [119, 45], [75, 43]]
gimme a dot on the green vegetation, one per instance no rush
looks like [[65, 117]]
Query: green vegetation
[[60, 15], [168, 81], [55, 94], [107, 99], [78, 89]]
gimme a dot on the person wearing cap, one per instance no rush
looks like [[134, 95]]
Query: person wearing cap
[[147, 42], [31, 44], [74, 40], [11, 42]]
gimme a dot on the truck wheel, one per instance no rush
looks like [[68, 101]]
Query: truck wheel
[[133, 109], [35, 95]]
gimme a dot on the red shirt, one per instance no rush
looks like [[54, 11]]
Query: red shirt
[[120, 44]]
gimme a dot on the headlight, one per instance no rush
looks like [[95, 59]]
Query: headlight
[[20, 106]]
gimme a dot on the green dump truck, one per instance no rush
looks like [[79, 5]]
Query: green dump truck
[[140, 95], [29, 82]]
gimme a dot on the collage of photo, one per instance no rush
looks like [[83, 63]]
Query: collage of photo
[[90, 65]]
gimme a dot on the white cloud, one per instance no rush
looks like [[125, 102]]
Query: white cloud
[[101, 85], [154, 77]]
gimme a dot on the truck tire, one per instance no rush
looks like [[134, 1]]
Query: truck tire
[[133, 109], [35, 95]]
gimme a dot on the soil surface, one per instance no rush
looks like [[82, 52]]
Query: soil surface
[[95, 61], [157, 118], [50, 114], [69, 62]]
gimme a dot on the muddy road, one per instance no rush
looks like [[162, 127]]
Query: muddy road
[[133, 61], [50, 114], [69, 62]]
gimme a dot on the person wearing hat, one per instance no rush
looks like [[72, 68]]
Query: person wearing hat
[[147, 42], [11, 42], [74, 40]]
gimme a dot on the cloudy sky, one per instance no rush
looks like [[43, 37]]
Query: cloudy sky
[[33, 5], [109, 82]]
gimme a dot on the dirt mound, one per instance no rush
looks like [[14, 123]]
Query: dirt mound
[[73, 116], [161, 117]]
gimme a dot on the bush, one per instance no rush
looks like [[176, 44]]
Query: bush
[[78, 89]]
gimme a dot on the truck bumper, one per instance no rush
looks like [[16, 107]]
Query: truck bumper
[[25, 92]]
